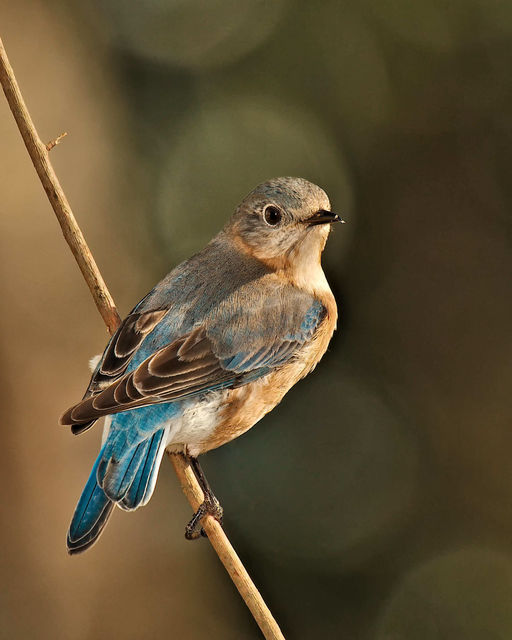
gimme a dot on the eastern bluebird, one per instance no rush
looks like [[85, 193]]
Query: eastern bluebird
[[209, 351]]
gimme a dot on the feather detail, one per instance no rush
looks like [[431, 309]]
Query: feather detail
[[143, 484], [94, 362], [91, 515]]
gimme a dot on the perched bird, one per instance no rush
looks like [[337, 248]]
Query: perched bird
[[209, 351]]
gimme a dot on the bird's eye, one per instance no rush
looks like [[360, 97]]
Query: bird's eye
[[272, 215]]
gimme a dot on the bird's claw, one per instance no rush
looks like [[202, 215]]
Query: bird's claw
[[209, 507]]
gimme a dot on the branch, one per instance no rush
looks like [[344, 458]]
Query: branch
[[39, 153], [227, 555]]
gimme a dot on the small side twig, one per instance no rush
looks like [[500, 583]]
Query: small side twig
[[38, 152], [54, 143]]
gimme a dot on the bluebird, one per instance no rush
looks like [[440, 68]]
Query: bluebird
[[209, 351]]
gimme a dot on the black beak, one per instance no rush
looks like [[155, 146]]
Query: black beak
[[323, 217]]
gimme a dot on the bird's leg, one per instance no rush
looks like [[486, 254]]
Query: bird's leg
[[209, 506]]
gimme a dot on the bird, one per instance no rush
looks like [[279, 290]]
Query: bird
[[211, 349]]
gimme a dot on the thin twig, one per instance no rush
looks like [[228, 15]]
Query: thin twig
[[38, 152], [54, 143]]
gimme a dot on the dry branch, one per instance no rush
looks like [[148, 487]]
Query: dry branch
[[39, 153], [228, 556]]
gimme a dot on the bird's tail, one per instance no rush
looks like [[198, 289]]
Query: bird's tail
[[128, 481], [91, 515]]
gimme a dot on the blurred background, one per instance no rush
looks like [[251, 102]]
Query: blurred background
[[376, 502]]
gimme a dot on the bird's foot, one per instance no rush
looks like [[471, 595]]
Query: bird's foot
[[209, 507]]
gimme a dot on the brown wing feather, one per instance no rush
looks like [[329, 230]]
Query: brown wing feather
[[122, 347], [182, 368]]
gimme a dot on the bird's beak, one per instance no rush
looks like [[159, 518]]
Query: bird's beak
[[323, 217]]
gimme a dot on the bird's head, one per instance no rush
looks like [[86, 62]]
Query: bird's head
[[284, 222]]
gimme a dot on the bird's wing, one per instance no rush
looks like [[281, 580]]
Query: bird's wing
[[176, 305], [123, 346], [229, 349]]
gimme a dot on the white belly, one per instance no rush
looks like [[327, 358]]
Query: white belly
[[197, 422]]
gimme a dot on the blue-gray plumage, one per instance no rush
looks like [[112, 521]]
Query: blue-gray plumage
[[211, 349]]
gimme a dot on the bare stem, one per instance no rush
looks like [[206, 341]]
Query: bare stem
[[38, 152], [228, 556], [39, 155]]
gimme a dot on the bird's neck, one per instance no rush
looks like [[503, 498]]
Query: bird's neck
[[301, 266], [308, 276], [304, 270]]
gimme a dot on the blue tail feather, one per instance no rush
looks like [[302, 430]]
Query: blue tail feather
[[117, 476], [143, 483], [91, 515], [127, 480]]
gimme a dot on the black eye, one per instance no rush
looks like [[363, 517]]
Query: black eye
[[272, 215]]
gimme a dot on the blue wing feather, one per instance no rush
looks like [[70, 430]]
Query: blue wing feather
[[280, 349]]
